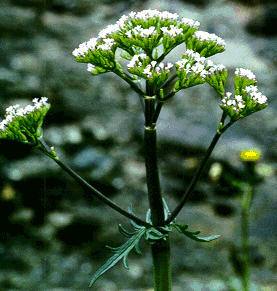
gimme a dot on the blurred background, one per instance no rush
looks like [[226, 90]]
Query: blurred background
[[53, 233]]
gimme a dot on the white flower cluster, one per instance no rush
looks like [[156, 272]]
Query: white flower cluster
[[203, 35], [243, 105], [93, 44], [190, 22], [192, 63], [216, 68], [159, 69], [91, 68], [15, 111], [255, 95], [136, 61], [109, 30], [142, 32], [172, 31], [194, 56], [245, 73], [237, 104], [126, 27], [146, 14], [148, 69]]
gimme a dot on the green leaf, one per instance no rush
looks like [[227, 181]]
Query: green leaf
[[120, 253], [125, 232], [193, 234]]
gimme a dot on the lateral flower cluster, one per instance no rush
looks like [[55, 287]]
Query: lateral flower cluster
[[247, 99], [190, 70], [24, 124], [216, 77], [206, 44]]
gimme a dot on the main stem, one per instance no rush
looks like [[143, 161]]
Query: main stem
[[161, 249]]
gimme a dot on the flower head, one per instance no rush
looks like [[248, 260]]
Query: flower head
[[216, 77], [98, 51], [136, 33], [24, 124], [247, 99], [206, 44], [155, 74], [250, 155], [191, 70]]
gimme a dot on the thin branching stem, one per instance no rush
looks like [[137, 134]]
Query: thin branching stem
[[190, 189], [46, 150]]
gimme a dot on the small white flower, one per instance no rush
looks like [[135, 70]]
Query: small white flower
[[153, 63], [135, 61], [147, 71], [168, 66], [107, 45], [238, 98], [91, 68], [173, 31], [240, 105], [194, 56], [146, 14], [245, 73], [262, 99], [209, 63], [168, 15], [216, 68], [44, 100], [190, 22], [112, 28], [198, 68], [129, 34], [251, 88], [132, 14], [122, 20], [9, 119], [203, 35]]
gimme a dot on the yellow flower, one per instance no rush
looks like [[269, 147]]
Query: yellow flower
[[250, 155]]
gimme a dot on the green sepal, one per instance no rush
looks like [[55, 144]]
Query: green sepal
[[193, 234], [242, 82], [217, 80]]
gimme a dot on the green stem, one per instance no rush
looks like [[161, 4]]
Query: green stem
[[46, 150], [152, 177], [149, 110], [161, 265], [156, 113], [161, 249], [127, 79], [246, 200]]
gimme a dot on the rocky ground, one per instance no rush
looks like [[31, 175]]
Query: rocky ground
[[53, 233]]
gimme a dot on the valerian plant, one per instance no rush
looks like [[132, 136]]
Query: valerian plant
[[144, 39]]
